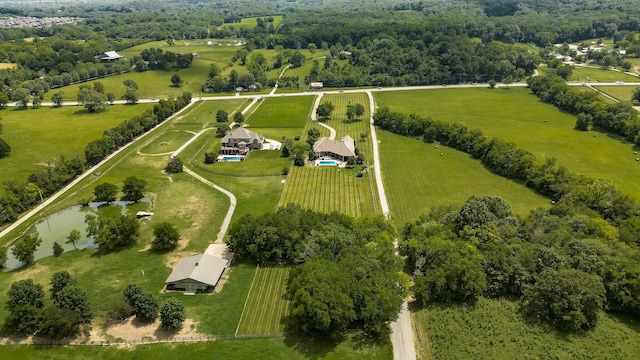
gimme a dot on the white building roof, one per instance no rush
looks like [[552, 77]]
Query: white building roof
[[203, 268], [110, 55]]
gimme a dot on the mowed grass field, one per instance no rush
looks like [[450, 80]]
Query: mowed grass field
[[516, 115], [266, 307], [590, 74], [252, 22], [622, 93], [327, 189], [353, 347], [416, 178], [284, 112], [39, 136], [493, 329]]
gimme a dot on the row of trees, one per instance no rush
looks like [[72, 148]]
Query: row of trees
[[128, 130], [573, 192], [346, 276], [620, 119], [66, 314], [564, 268]]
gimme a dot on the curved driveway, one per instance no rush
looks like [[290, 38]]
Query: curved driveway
[[314, 117]]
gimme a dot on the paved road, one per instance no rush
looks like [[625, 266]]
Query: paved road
[[184, 146], [314, 117], [402, 337]]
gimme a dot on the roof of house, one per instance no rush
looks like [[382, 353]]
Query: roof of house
[[343, 147], [203, 268], [110, 55], [243, 134]]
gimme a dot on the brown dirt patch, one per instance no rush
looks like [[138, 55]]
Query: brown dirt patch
[[29, 273], [132, 329]]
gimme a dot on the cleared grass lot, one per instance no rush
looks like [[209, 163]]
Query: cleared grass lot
[[416, 178], [327, 189], [590, 74], [286, 112], [493, 329], [167, 142], [39, 136], [266, 307], [622, 93], [516, 115]]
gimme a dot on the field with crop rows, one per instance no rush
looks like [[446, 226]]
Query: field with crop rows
[[266, 307], [328, 189]]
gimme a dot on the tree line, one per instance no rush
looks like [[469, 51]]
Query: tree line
[[620, 119], [345, 272]]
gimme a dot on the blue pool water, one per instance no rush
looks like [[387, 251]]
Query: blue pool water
[[232, 158], [327, 163]]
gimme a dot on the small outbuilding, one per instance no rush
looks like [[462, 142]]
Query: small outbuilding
[[316, 85], [198, 273], [110, 56]]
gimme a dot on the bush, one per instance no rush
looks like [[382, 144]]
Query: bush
[[210, 157], [285, 171], [174, 166], [172, 314], [166, 236]]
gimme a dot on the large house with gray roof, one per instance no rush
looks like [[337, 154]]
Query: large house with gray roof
[[341, 149], [198, 273], [240, 141]]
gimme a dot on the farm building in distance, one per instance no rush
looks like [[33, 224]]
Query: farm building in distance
[[198, 273], [110, 56], [316, 85], [341, 149], [240, 141]]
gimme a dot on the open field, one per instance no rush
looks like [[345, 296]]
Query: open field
[[589, 74], [296, 348], [266, 307], [500, 113], [287, 112], [339, 119], [493, 329], [7, 65], [327, 189], [167, 142], [56, 132], [416, 178], [622, 93], [251, 22]]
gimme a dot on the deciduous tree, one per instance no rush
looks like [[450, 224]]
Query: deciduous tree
[[174, 165], [57, 98], [25, 248], [105, 192], [166, 236], [172, 314], [222, 116], [133, 188]]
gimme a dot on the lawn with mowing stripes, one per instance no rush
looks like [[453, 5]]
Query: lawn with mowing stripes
[[416, 177], [518, 116], [328, 189], [266, 307], [286, 112]]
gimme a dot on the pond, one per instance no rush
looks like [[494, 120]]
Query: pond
[[57, 227]]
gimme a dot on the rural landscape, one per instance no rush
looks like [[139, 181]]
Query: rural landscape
[[334, 179]]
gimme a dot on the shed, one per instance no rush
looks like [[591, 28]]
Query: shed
[[110, 56], [316, 85], [198, 273]]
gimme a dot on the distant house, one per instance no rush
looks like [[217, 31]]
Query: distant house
[[341, 149], [316, 85], [240, 141], [110, 56], [198, 273]]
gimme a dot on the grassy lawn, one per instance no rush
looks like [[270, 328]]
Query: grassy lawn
[[493, 329], [590, 74], [328, 189], [167, 142], [251, 22], [265, 162], [266, 306], [286, 112], [416, 178], [61, 131], [353, 348], [501, 113], [622, 93], [7, 65]]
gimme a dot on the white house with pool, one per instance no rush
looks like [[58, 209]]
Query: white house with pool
[[334, 152]]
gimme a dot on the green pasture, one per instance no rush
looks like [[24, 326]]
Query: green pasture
[[266, 307], [167, 142], [622, 93], [590, 74], [517, 115], [257, 162], [327, 189], [39, 136], [7, 65], [251, 22], [353, 347], [282, 112], [416, 178], [355, 128], [493, 329]]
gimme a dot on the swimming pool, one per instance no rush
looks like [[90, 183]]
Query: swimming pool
[[230, 158], [327, 163]]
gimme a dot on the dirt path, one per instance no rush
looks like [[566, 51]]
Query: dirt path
[[314, 118]]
